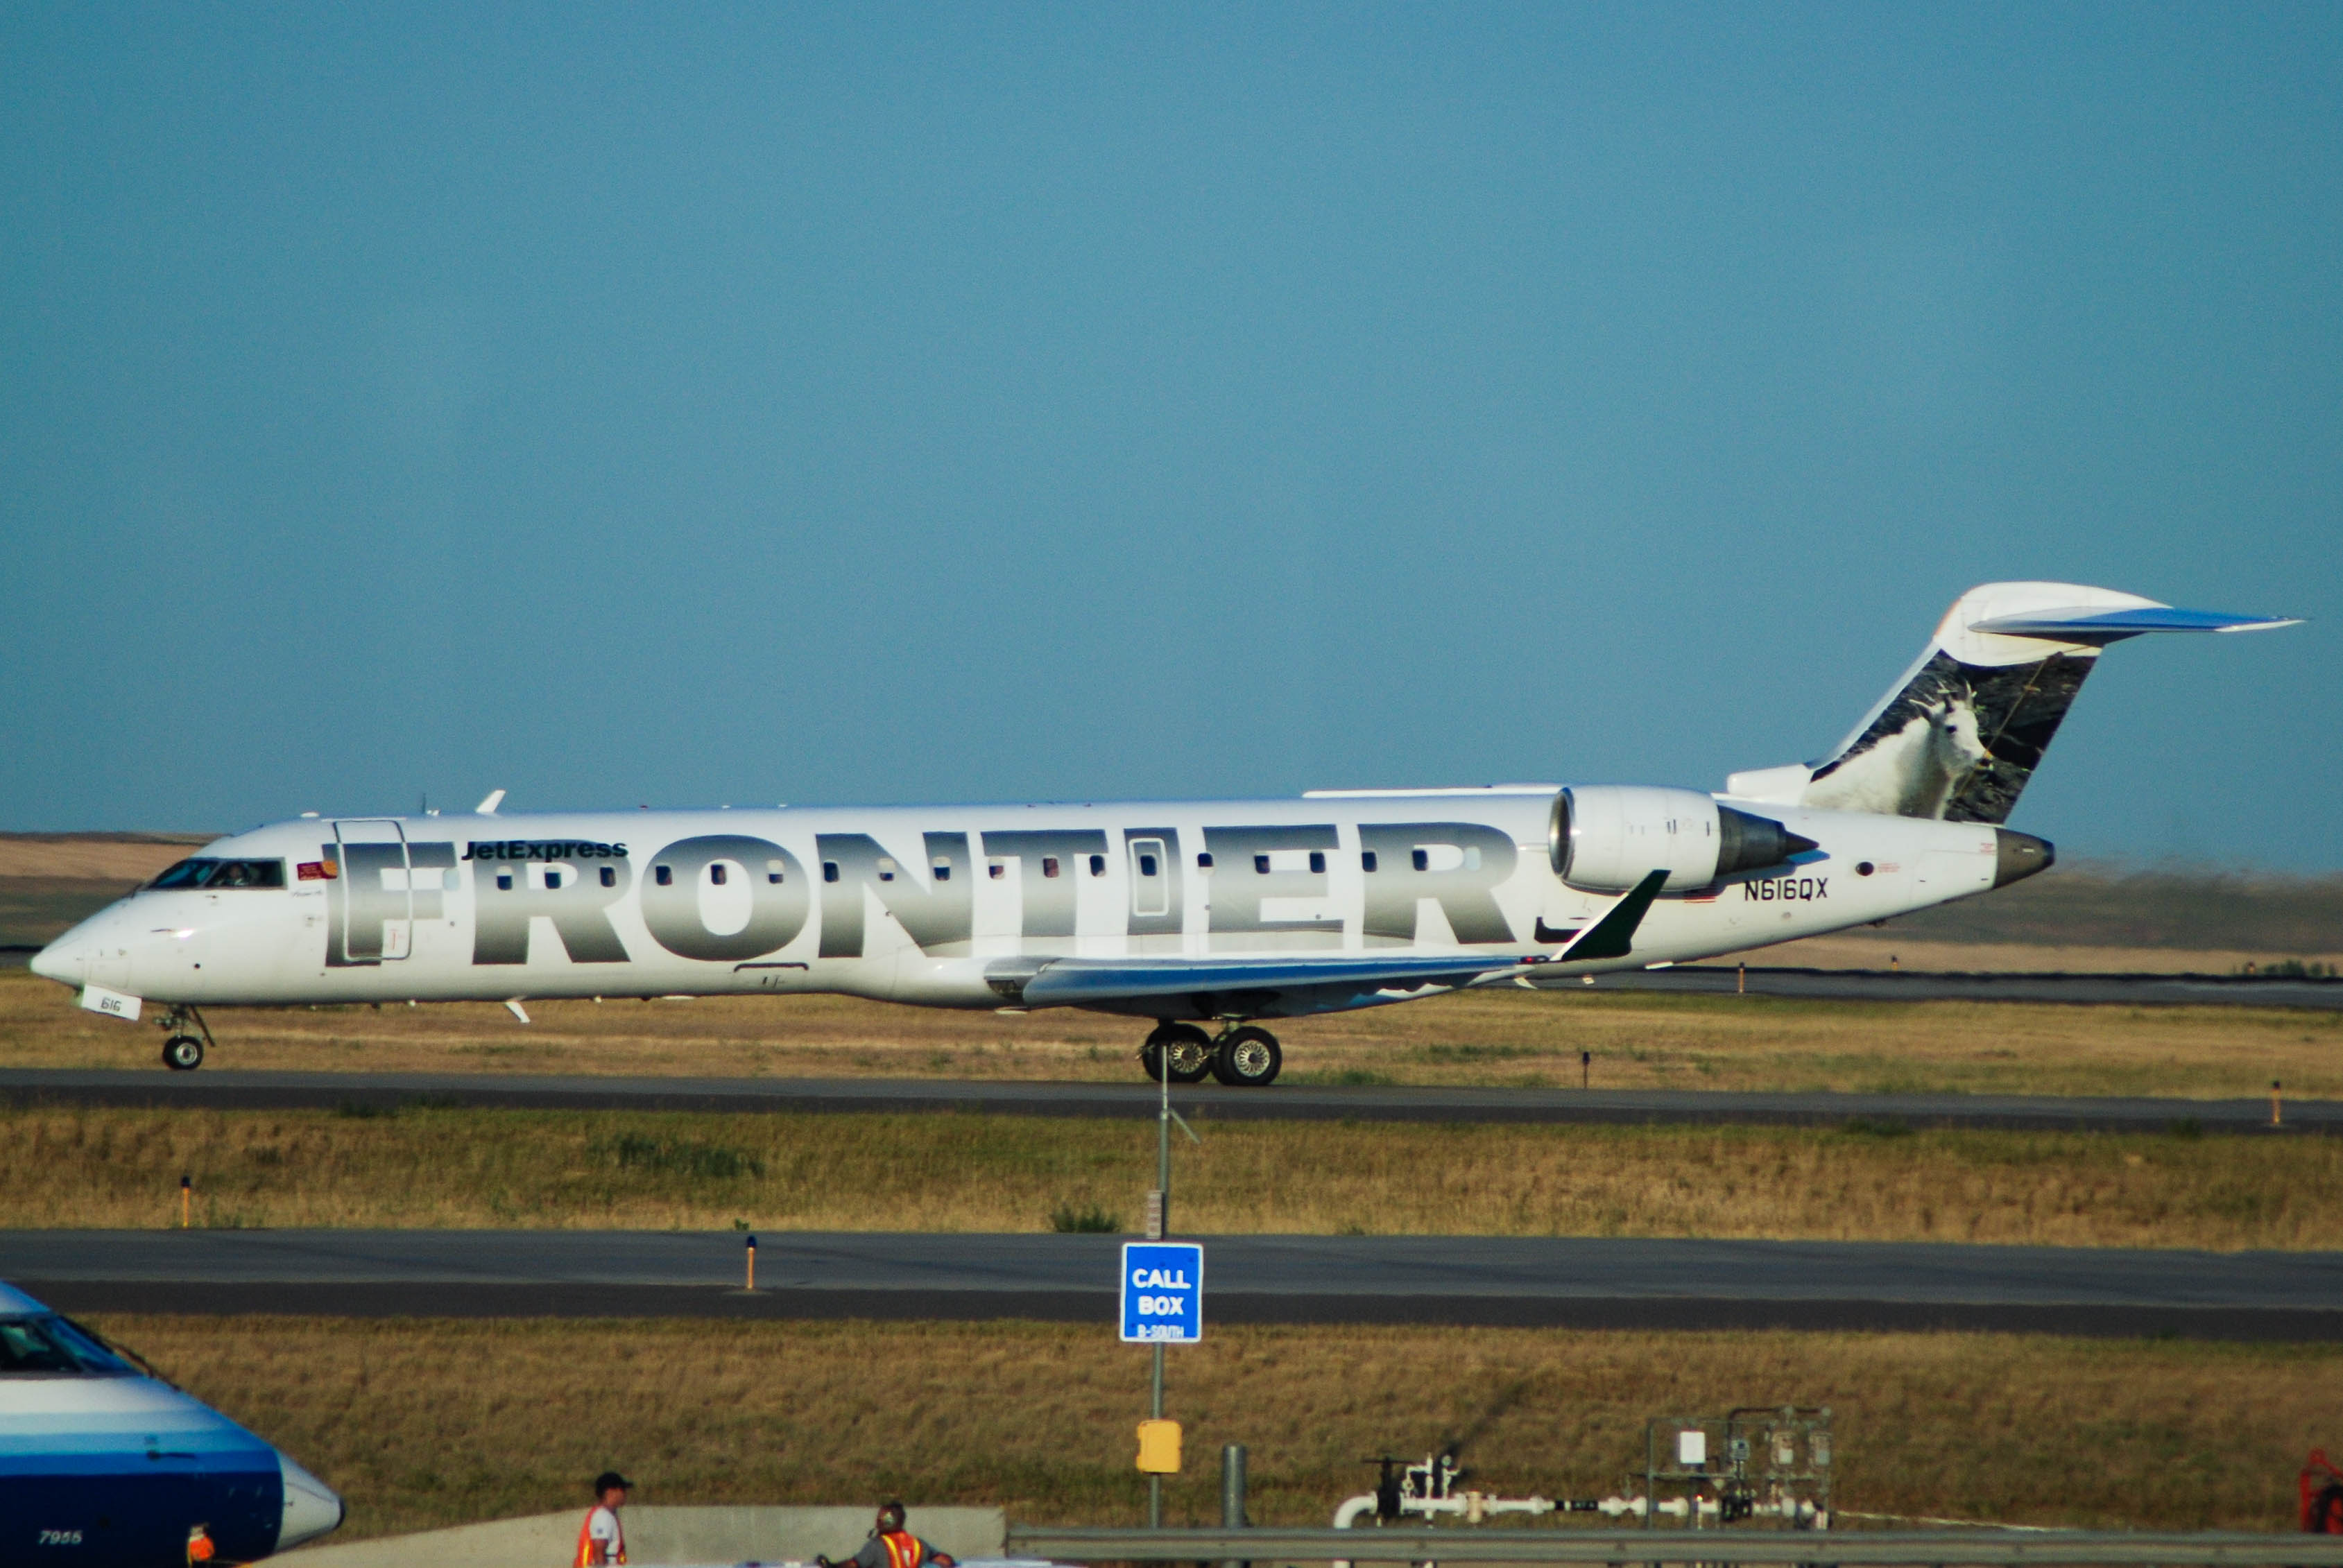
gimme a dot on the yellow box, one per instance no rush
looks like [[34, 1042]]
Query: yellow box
[[1159, 1447]]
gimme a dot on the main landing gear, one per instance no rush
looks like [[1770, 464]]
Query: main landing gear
[[1244, 1057], [184, 1052]]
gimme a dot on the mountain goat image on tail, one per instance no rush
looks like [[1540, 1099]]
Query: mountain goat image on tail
[[1957, 743]]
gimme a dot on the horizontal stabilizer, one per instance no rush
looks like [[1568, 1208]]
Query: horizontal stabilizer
[[2104, 626]]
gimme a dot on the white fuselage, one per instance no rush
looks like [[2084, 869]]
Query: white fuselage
[[915, 904]]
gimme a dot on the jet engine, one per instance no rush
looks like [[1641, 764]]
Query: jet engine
[[1606, 837]]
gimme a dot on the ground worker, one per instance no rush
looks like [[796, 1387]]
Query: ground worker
[[892, 1546], [601, 1542]]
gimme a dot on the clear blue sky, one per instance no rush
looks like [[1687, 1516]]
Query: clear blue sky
[[691, 405]]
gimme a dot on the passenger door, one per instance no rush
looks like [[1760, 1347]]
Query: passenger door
[[378, 890], [1151, 879]]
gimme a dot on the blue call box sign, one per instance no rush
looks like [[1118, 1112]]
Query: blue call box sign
[[1163, 1292]]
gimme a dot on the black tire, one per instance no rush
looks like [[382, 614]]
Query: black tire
[[183, 1053], [1248, 1058], [1192, 1054]]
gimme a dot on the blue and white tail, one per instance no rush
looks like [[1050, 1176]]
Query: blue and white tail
[[1958, 736]]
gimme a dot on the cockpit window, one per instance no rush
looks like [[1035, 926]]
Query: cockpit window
[[218, 874], [50, 1344]]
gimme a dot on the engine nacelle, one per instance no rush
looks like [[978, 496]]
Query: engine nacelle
[[1606, 837]]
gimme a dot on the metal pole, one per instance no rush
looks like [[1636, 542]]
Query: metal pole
[[1233, 1495], [1155, 1482], [1163, 1140], [1163, 1186]]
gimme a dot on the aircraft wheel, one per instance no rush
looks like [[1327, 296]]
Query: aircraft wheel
[[1249, 1058], [183, 1053], [1190, 1049]]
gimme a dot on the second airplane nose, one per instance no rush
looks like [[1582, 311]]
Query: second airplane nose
[[311, 1507]]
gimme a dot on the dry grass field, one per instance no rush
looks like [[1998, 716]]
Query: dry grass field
[[1496, 1037], [423, 1422], [100, 860], [49, 880], [993, 1173]]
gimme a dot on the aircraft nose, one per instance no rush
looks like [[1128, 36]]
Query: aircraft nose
[[311, 1507], [66, 960]]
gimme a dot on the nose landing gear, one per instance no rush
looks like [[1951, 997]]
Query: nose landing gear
[[1246, 1057], [184, 1052]]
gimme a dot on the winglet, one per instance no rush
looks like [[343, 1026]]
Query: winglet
[[487, 808], [1611, 937]]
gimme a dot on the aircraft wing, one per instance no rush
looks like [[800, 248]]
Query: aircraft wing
[[1226, 984], [1089, 982]]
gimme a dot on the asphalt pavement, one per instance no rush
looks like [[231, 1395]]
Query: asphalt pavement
[[1544, 1281], [1889, 985], [231, 1089]]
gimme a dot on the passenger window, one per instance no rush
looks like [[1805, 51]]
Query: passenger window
[[772, 870], [610, 876], [504, 881], [996, 871], [1423, 859], [943, 869], [1261, 865], [1203, 859], [1366, 860], [1318, 860], [1098, 865], [663, 876], [886, 869], [716, 875], [830, 870], [552, 879], [1146, 865], [1049, 865]]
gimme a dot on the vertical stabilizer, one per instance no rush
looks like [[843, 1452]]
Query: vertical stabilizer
[[1959, 735]]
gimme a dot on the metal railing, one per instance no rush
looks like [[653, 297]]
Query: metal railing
[[1827, 1548]]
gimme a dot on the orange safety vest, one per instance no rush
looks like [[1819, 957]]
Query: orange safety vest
[[586, 1540], [904, 1549]]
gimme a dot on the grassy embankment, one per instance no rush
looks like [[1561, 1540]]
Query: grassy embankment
[[49, 880], [448, 1168], [1505, 1038], [2101, 919], [423, 1422]]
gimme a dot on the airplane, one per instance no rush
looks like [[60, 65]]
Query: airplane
[[1190, 913], [103, 1464]]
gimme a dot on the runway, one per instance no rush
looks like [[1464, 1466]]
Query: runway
[[1527, 1281], [1885, 985], [229, 1089]]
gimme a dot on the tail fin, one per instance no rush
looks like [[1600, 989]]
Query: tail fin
[[1958, 736]]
